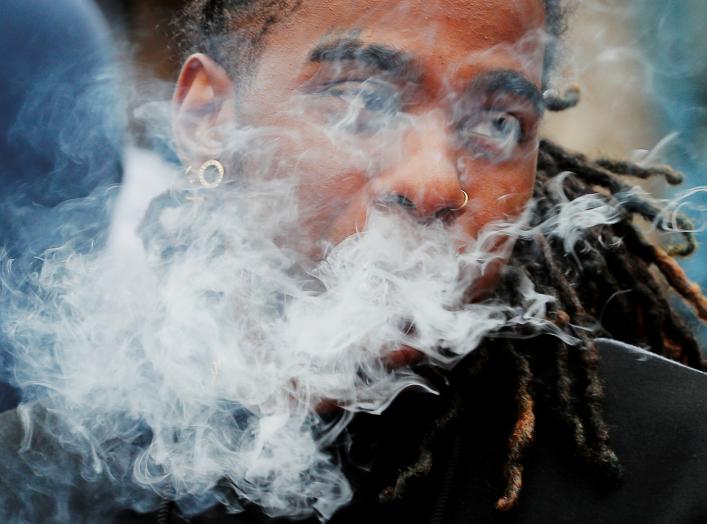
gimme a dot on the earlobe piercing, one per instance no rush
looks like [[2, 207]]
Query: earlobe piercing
[[466, 201], [215, 178], [210, 174]]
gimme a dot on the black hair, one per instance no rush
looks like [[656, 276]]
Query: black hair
[[232, 32]]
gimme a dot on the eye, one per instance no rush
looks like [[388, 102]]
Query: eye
[[366, 107], [497, 125], [494, 133]]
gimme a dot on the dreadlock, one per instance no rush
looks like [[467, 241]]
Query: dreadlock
[[618, 291]]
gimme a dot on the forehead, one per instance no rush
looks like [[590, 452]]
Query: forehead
[[443, 36]]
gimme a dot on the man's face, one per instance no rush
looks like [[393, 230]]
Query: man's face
[[403, 105]]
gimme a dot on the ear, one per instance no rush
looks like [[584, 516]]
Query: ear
[[203, 107]]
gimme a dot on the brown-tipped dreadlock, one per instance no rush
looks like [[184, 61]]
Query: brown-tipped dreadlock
[[620, 287], [522, 434]]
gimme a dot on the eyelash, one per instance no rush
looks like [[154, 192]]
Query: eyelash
[[500, 147]]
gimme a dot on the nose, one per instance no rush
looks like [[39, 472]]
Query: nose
[[423, 178]]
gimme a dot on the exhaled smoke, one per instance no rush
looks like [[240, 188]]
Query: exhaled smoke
[[210, 355], [221, 358], [225, 358]]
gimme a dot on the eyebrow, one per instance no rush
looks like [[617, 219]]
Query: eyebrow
[[510, 82], [387, 60], [400, 65]]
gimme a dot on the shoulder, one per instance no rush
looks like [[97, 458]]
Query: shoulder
[[656, 410], [639, 384]]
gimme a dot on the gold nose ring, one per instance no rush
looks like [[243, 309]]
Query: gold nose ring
[[466, 201]]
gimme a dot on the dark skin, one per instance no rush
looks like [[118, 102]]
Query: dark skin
[[406, 105]]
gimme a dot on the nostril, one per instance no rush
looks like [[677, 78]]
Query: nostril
[[446, 215], [444, 212]]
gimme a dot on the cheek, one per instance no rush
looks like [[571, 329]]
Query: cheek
[[331, 181], [327, 177], [329, 210], [497, 192]]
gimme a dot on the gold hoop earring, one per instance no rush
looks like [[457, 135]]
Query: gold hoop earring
[[214, 180], [466, 201]]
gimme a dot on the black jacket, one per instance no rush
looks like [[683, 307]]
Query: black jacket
[[656, 410]]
